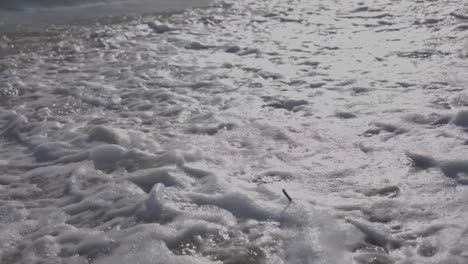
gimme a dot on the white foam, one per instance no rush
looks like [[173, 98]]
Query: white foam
[[58, 11], [237, 204], [170, 138]]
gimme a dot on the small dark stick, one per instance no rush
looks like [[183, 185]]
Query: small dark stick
[[287, 195]]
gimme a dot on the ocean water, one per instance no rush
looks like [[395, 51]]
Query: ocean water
[[173, 137], [39, 12]]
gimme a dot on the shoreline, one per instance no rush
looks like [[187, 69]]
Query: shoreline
[[28, 37], [42, 17]]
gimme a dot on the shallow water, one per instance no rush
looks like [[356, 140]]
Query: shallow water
[[40, 13], [169, 138]]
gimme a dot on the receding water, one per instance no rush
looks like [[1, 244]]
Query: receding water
[[33, 12], [169, 138]]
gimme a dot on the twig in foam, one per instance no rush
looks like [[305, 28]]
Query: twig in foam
[[287, 195]]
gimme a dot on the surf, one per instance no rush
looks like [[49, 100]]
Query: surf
[[55, 11]]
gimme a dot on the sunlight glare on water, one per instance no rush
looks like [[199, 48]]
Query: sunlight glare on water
[[168, 138]]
